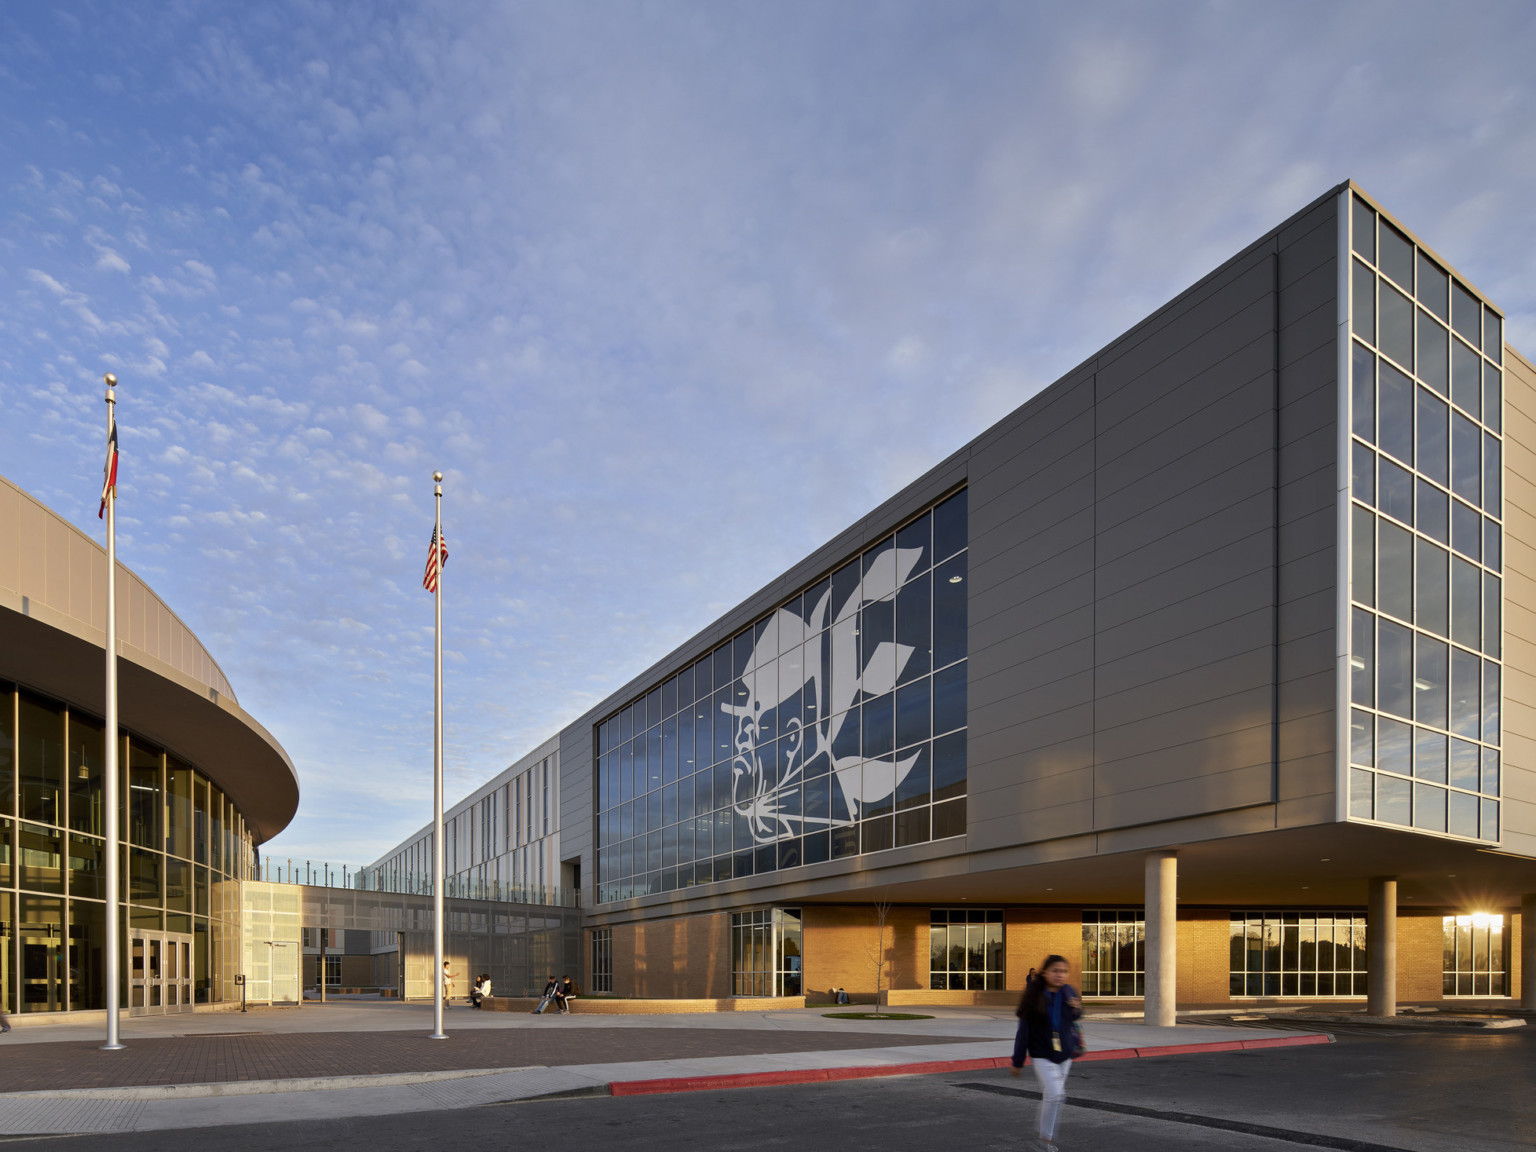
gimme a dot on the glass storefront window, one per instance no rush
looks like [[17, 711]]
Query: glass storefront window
[[86, 762], [178, 808], [765, 953], [1298, 954], [40, 852], [40, 746], [1475, 958], [52, 869], [144, 801], [7, 747], [965, 948], [1113, 952]]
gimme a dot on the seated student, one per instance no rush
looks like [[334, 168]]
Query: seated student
[[480, 991], [567, 993], [550, 989]]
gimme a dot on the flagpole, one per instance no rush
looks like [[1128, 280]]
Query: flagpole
[[438, 855], [113, 1043]]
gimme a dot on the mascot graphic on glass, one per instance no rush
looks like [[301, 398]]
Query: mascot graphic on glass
[[797, 762]]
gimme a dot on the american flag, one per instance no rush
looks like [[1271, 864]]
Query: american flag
[[437, 556], [109, 470]]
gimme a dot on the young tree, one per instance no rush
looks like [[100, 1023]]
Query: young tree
[[878, 954]]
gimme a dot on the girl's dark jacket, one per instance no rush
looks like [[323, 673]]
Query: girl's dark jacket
[[1034, 1037]]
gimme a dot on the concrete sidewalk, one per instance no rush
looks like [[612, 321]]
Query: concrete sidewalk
[[757, 1051]]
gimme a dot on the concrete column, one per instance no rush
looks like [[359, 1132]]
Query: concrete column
[[1528, 951], [1161, 952], [1381, 947]]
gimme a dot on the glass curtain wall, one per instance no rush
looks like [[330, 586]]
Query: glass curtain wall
[[1426, 540], [833, 726], [180, 839]]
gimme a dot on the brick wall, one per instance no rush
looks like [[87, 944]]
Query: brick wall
[[687, 957], [1205, 955], [1512, 942], [841, 944], [1032, 934], [1420, 953]]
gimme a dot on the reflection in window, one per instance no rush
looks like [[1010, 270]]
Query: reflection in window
[[965, 949], [1475, 957], [1114, 963], [1434, 566], [1298, 954], [766, 959]]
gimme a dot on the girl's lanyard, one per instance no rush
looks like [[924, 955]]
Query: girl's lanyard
[[1055, 1015]]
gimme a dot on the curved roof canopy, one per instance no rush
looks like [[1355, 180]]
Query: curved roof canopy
[[170, 690]]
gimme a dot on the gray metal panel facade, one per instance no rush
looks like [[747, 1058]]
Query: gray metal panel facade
[[1152, 556]]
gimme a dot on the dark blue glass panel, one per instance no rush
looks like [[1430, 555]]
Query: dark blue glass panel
[[949, 704], [916, 541], [1363, 474], [1466, 377], [1395, 494], [1394, 322], [1466, 459], [950, 532], [878, 719], [1466, 530], [1434, 439], [1363, 308], [1394, 663], [949, 766], [1363, 377], [950, 595], [913, 721], [1466, 315], [913, 788], [1434, 354], [1492, 475], [1395, 256], [1396, 414], [1432, 517], [914, 606]]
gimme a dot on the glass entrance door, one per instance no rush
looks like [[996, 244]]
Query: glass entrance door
[[159, 972], [42, 973]]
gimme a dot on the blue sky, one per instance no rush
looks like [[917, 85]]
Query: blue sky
[[671, 292]]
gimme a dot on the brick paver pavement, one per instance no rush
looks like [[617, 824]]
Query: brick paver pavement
[[264, 1056]]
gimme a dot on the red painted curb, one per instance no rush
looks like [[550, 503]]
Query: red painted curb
[[1290, 1041], [868, 1071], [1107, 1054]]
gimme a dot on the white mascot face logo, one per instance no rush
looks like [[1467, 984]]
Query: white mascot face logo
[[803, 699]]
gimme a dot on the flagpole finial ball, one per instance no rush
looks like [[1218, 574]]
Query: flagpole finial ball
[[111, 380], [437, 477]]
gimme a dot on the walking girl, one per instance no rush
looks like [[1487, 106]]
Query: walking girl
[[1049, 1036]]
